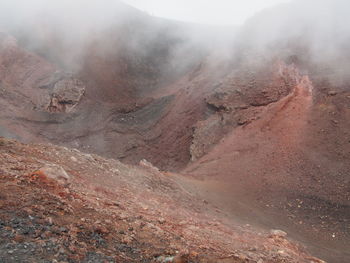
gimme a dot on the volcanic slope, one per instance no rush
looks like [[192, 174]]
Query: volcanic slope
[[59, 204], [271, 168], [262, 132]]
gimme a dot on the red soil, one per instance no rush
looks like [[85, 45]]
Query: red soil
[[254, 139]]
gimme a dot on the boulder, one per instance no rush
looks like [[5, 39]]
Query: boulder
[[66, 94], [332, 93], [55, 172], [277, 234]]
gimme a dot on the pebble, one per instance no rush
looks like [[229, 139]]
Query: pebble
[[163, 259], [161, 220], [126, 240], [277, 233], [63, 229]]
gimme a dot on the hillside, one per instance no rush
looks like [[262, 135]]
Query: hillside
[[202, 133], [64, 205]]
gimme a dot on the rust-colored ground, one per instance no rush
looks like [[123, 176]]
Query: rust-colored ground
[[110, 212], [241, 143]]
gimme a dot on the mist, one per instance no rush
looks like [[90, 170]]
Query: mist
[[317, 32], [237, 121], [65, 32]]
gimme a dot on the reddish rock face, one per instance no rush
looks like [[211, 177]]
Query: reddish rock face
[[242, 101]]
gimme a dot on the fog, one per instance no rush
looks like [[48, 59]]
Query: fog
[[219, 12], [318, 32], [320, 23], [63, 31]]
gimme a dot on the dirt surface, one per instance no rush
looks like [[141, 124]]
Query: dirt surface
[[61, 205], [268, 162], [250, 139]]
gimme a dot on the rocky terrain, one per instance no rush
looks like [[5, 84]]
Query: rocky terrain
[[62, 205], [148, 140]]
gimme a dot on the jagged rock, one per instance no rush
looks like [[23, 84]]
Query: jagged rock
[[206, 134], [181, 258], [332, 93], [148, 165], [277, 233], [66, 94], [235, 104], [127, 240], [161, 220], [316, 260], [164, 259]]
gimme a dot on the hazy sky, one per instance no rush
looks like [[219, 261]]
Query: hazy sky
[[205, 11]]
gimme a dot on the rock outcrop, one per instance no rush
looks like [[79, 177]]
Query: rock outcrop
[[241, 100], [65, 95]]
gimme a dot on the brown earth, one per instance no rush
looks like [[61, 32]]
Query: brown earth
[[271, 161], [59, 205], [251, 142]]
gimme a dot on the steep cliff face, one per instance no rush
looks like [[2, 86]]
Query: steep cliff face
[[239, 99]]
